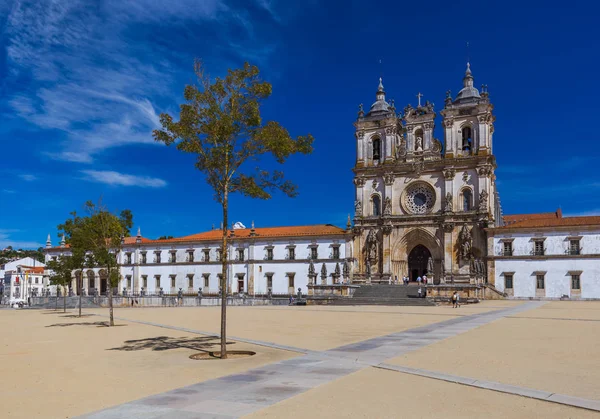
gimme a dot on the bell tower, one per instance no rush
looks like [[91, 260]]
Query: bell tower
[[468, 121]]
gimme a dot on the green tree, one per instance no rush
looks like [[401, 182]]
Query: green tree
[[61, 274], [165, 237], [220, 123], [103, 233]]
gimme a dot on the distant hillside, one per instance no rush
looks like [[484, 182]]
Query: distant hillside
[[9, 254]]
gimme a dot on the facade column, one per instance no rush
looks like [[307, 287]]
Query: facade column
[[360, 150], [449, 137]]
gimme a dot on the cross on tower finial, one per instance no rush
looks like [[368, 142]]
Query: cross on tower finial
[[419, 96]]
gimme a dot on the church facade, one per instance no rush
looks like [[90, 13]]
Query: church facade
[[422, 208]]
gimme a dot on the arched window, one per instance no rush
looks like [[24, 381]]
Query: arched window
[[467, 139], [376, 206], [376, 149], [467, 200]]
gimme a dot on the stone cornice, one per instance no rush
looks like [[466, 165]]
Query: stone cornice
[[544, 257], [234, 262], [406, 168]]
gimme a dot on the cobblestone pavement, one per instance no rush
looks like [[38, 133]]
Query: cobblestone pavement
[[240, 394]]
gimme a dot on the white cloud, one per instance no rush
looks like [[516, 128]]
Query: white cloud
[[8, 191], [92, 79], [6, 241], [28, 177], [592, 212], [121, 179]]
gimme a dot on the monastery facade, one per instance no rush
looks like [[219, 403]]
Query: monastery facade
[[423, 206]]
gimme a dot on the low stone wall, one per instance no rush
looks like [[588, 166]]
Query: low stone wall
[[153, 301], [467, 291]]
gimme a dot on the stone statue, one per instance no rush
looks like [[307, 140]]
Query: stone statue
[[324, 274], [372, 246], [357, 209], [448, 205], [429, 266], [387, 206], [346, 270], [419, 144], [368, 268], [483, 197], [466, 242], [400, 149]]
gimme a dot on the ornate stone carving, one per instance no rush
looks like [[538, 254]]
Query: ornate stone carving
[[483, 198], [388, 178], [447, 123], [418, 166], [361, 134], [447, 227], [485, 118], [360, 181], [387, 229], [437, 146], [371, 246], [324, 274], [466, 176], [428, 125], [311, 272], [449, 174], [484, 170], [357, 231], [430, 266], [401, 149], [448, 207], [375, 184], [357, 209], [387, 206], [465, 242]]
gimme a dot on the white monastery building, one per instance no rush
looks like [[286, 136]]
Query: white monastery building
[[423, 206]]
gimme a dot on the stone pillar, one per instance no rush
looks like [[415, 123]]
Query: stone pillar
[[251, 290], [448, 251], [360, 149], [449, 138]]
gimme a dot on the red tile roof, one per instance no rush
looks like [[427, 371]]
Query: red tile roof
[[553, 222], [33, 269], [264, 232], [128, 240], [510, 219]]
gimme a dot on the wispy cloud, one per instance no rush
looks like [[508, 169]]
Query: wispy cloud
[[122, 179], [8, 191], [28, 177], [5, 241], [593, 212]]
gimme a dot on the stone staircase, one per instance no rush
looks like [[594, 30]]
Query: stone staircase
[[385, 295]]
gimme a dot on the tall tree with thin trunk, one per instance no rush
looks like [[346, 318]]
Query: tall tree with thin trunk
[[104, 233], [221, 124]]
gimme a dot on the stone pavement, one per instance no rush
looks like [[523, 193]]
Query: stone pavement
[[240, 394]]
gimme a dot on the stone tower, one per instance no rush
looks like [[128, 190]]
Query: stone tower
[[421, 207]]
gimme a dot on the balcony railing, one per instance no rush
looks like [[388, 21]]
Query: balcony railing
[[574, 252]]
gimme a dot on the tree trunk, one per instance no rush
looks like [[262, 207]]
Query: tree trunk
[[64, 301], [80, 291], [224, 281], [56, 300], [111, 321]]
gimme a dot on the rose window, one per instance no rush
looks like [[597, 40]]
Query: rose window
[[419, 198]]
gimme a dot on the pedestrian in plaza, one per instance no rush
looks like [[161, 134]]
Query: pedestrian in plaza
[[424, 279], [454, 300], [419, 279], [457, 300]]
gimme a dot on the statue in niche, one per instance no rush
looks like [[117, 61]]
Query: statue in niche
[[430, 266], [400, 149], [483, 197], [448, 204], [419, 144], [387, 206], [371, 247], [368, 268], [466, 242]]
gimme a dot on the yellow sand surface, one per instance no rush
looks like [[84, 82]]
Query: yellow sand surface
[[310, 327], [375, 393], [530, 350], [54, 366]]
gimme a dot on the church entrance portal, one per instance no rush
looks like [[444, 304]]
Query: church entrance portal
[[417, 261]]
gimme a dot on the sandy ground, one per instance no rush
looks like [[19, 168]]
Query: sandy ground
[[70, 369], [547, 349], [375, 393], [311, 327]]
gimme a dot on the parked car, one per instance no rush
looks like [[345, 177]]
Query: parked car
[[18, 303]]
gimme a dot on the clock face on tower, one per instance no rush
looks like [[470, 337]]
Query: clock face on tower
[[418, 198]]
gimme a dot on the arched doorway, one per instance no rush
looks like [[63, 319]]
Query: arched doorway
[[103, 282], [417, 261]]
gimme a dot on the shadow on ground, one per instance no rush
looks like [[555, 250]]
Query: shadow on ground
[[97, 324], [165, 343]]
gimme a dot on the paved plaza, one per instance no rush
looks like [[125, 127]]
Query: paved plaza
[[495, 359]]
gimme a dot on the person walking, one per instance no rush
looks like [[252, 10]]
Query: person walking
[[454, 300]]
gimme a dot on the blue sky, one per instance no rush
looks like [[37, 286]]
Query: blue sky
[[82, 84]]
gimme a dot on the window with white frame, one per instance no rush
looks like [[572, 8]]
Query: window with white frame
[[157, 256], [291, 253], [173, 280], [173, 256], [507, 248], [575, 281], [190, 256], [128, 281], [143, 257], [574, 248], [314, 254], [538, 247], [157, 281], [190, 278], [269, 280], [508, 281], [336, 252], [145, 281], [128, 258], [240, 255], [206, 280]]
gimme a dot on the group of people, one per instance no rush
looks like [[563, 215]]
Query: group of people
[[420, 280], [455, 300]]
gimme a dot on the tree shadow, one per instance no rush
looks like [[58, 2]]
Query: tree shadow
[[97, 324], [165, 343], [76, 316]]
